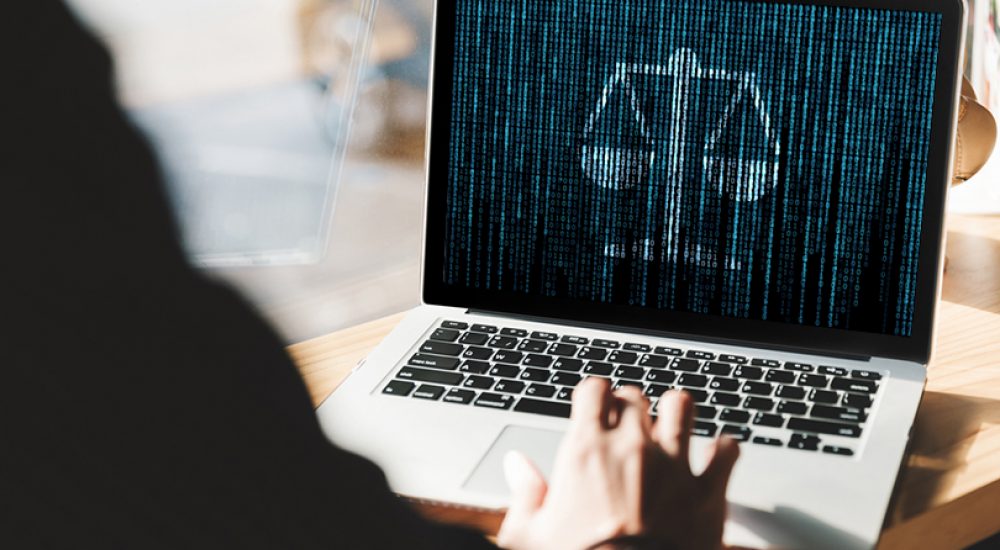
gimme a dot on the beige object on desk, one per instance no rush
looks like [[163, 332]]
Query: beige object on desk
[[976, 136]]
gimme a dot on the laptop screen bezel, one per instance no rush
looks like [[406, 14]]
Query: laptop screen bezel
[[916, 347]]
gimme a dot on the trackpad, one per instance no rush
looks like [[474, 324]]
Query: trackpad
[[539, 445]]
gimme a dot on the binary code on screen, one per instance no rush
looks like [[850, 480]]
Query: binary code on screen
[[739, 159]]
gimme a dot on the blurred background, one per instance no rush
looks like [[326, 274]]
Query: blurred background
[[248, 104], [291, 133]]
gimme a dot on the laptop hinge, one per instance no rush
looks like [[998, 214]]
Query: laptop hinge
[[676, 335]]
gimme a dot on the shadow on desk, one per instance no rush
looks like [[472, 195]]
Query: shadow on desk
[[947, 439]]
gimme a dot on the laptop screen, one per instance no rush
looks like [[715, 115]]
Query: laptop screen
[[737, 159]]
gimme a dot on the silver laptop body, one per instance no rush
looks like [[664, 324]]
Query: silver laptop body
[[824, 400]]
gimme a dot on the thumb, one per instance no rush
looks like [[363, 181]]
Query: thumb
[[720, 466], [527, 486]]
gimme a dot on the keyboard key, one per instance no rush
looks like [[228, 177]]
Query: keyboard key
[[769, 420], [566, 379], [698, 396], [433, 361], [725, 399], [693, 380], [488, 329], [780, 376], [705, 412], [432, 376], [739, 433], [758, 388], [619, 384], [429, 391], [495, 400], [444, 335], [816, 426], [686, 365], [791, 392], [661, 376], [823, 396], [758, 403], [535, 375], [462, 397], [515, 332], [662, 350], [769, 363], [704, 429], [653, 361], [719, 369], [843, 414], [474, 338], [479, 382], [455, 325], [565, 394], [857, 400], [749, 373], [503, 342], [598, 342], [575, 340], [736, 359], [509, 357], [401, 388], [695, 354], [792, 407], [631, 373], [565, 350], [866, 375], [505, 371], [474, 352], [724, 384], [800, 367], [624, 357], [735, 416], [597, 354], [475, 367], [859, 386], [533, 346], [541, 390], [509, 386], [566, 364], [656, 390], [641, 348], [835, 371], [767, 441], [548, 336], [538, 360], [597, 368], [813, 380], [842, 451], [548, 408], [441, 348], [804, 442]]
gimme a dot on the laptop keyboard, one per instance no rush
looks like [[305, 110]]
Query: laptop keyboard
[[752, 399]]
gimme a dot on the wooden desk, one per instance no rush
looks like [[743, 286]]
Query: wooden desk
[[949, 493]]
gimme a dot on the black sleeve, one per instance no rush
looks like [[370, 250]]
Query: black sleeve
[[141, 405]]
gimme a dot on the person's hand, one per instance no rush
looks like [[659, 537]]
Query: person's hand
[[617, 475]]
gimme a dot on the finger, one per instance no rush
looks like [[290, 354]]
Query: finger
[[674, 424], [592, 401], [720, 466], [527, 486], [634, 410]]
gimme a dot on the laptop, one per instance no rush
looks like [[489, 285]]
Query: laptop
[[741, 199]]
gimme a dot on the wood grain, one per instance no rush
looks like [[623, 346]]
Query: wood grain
[[949, 490]]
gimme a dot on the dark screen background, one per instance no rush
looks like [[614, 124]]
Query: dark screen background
[[726, 158]]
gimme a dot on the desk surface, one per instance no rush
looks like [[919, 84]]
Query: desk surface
[[948, 493]]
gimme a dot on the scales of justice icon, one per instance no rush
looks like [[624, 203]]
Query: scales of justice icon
[[743, 169]]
